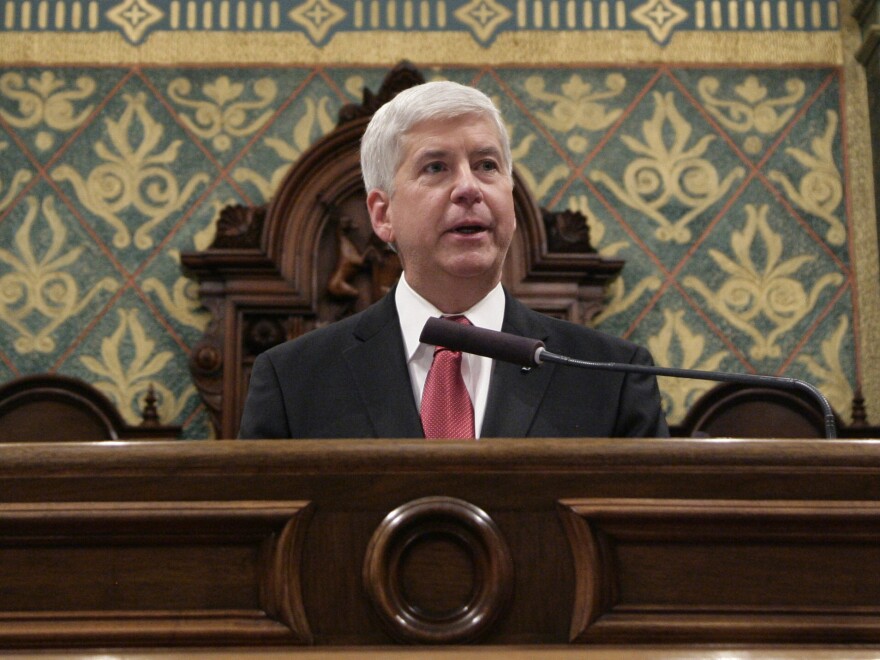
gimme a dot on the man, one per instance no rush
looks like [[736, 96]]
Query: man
[[437, 168]]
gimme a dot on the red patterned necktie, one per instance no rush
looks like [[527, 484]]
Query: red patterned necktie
[[447, 411]]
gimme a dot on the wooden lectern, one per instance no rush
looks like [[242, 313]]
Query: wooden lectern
[[500, 542]]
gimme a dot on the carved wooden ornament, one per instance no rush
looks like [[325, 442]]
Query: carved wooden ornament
[[420, 535]]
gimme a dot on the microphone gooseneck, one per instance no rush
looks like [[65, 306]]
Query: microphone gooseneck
[[721, 376], [528, 352]]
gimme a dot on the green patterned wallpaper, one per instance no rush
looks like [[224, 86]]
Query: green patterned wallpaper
[[724, 186]]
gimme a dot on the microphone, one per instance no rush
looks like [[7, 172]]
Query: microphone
[[530, 353]]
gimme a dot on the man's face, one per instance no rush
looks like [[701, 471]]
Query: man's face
[[451, 215]]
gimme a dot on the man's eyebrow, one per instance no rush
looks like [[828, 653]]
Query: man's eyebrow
[[428, 154], [488, 151], [480, 152]]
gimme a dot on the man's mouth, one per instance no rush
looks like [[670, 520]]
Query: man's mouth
[[469, 229]]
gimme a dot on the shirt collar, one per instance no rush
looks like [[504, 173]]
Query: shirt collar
[[414, 311]]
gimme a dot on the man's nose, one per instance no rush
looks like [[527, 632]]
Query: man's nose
[[467, 187]]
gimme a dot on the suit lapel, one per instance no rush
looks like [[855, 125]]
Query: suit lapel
[[378, 351], [378, 366], [514, 394]]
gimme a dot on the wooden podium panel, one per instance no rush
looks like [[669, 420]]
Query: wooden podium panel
[[240, 544]]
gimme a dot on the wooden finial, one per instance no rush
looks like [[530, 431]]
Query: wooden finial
[[859, 413], [151, 412]]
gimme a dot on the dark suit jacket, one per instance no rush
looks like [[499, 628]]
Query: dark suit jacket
[[350, 380]]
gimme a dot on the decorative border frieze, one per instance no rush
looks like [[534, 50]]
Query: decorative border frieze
[[484, 20]]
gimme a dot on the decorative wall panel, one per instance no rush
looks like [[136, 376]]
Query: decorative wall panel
[[711, 145], [484, 21]]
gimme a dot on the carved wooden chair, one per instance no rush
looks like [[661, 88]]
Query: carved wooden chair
[[56, 408], [738, 411], [731, 410]]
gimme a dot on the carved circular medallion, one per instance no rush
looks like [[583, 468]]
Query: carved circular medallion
[[206, 358], [438, 570]]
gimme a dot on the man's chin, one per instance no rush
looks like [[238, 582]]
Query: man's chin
[[474, 270]]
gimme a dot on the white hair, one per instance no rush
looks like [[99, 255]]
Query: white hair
[[382, 143]]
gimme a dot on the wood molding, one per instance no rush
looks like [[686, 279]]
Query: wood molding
[[143, 572], [612, 542], [701, 570]]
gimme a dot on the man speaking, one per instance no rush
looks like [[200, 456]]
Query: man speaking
[[437, 168]]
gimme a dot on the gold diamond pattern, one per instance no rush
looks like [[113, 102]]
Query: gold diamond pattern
[[483, 17], [660, 17], [318, 17], [135, 17]]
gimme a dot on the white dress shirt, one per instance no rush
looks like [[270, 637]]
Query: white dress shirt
[[476, 370]]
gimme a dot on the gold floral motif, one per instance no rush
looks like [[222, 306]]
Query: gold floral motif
[[675, 337], [618, 300], [519, 152], [578, 106], [223, 114], [203, 238], [831, 377], [754, 110], [821, 189], [355, 86], [316, 115], [44, 100], [182, 301], [129, 366], [771, 292], [137, 176], [674, 173], [581, 203], [18, 180], [41, 287]]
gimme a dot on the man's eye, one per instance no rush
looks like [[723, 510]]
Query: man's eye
[[433, 168], [487, 165]]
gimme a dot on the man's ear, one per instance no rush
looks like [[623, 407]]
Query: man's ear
[[377, 205]]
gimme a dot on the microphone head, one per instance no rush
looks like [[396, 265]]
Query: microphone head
[[482, 341]]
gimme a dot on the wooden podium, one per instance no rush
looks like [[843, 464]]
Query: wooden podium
[[501, 542]]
